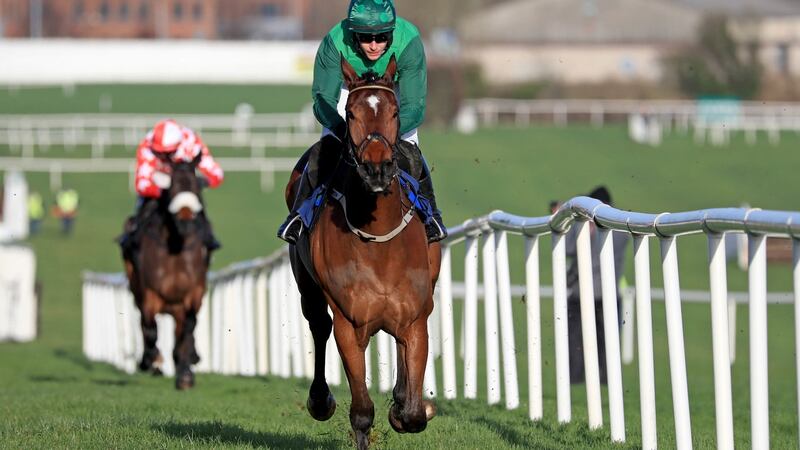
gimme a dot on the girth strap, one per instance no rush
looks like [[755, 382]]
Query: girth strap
[[371, 237]]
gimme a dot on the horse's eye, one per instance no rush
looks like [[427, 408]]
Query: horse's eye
[[395, 115], [350, 115]]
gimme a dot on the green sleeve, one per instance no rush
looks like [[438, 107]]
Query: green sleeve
[[326, 88], [413, 77]]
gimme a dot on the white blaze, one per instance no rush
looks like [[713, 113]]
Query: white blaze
[[373, 101], [185, 200]]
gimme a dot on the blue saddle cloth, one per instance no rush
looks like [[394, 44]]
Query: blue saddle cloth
[[309, 210]]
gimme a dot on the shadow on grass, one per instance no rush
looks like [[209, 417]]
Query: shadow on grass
[[52, 379], [108, 382], [72, 357], [219, 433]]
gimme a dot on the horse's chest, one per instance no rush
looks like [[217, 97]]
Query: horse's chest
[[365, 288]]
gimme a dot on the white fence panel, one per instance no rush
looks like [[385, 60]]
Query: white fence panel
[[275, 342]]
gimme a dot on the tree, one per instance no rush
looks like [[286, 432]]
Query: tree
[[714, 65]]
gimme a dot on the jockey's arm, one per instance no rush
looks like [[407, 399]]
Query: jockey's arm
[[412, 74], [146, 167], [210, 168], [327, 85]]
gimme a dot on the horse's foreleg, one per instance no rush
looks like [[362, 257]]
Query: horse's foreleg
[[351, 349], [151, 357], [321, 404], [184, 346], [410, 413]]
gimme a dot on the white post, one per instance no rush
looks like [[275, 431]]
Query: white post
[[429, 380], [561, 331], [628, 322], [470, 327], [217, 324], [677, 357], [262, 328], [759, 392], [384, 362], [447, 333], [588, 328], [202, 333], [732, 329], [796, 284], [647, 388], [533, 309], [608, 281], [506, 321], [719, 334], [490, 317], [274, 319]]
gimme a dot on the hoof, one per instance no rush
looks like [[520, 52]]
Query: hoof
[[430, 410], [394, 421], [321, 411], [155, 367], [184, 380]]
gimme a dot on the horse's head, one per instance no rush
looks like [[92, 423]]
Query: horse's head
[[184, 199], [373, 124]]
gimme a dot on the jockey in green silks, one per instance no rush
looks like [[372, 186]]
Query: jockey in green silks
[[367, 39]]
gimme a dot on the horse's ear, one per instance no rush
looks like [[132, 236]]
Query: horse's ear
[[349, 74], [391, 70], [196, 160]]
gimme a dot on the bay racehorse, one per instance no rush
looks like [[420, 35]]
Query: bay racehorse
[[367, 258], [167, 274]]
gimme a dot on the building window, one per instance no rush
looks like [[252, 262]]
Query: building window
[[197, 11], [104, 10], [269, 10], [144, 11], [782, 61], [123, 12], [77, 10], [177, 11]]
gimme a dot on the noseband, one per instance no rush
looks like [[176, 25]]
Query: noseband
[[353, 150]]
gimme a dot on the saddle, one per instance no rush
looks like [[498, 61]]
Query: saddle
[[311, 208]]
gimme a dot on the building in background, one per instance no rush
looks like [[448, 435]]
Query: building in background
[[160, 19], [588, 41]]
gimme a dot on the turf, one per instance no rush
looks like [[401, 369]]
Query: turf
[[50, 396]]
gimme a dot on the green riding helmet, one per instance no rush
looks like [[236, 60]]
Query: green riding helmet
[[371, 16]]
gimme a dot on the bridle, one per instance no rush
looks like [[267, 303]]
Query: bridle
[[353, 150]]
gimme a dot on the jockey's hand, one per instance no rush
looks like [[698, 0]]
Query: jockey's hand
[[162, 180], [340, 132], [202, 181]]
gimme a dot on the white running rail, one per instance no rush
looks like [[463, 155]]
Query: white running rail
[[251, 322]]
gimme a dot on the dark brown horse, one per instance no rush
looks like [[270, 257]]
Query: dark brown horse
[[168, 272], [384, 282]]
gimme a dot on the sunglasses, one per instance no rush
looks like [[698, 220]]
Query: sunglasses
[[366, 38]]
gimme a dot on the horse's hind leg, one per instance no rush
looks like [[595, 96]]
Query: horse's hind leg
[[410, 413], [351, 348]]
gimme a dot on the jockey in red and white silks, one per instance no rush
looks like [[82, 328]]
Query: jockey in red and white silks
[[182, 145]]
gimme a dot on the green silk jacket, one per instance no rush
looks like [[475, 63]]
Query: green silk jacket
[[411, 75]]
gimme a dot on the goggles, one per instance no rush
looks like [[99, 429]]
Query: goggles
[[366, 38]]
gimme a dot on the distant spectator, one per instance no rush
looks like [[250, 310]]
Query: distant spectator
[[66, 209], [620, 241], [35, 212]]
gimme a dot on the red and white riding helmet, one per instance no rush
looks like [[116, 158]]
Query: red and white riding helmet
[[167, 136]]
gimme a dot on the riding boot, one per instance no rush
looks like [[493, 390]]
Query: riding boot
[[312, 163], [434, 226], [412, 162], [128, 240], [209, 240], [291, 228]]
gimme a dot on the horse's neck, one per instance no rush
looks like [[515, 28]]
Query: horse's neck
[[370, 211]]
